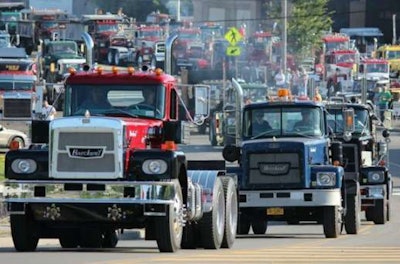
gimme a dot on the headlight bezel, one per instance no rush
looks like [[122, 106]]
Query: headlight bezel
[[326, 178], [154, 166], [380, 174], [23, 166]]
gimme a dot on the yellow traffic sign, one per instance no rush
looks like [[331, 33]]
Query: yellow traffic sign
[[233, 36], [233, 51]]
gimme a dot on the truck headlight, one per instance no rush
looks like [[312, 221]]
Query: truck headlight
[[376, 177], [154, 166], [23, 166], [326, 178]]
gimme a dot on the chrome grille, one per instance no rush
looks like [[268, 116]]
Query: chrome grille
[[86, 140], [67, 164], [274, 168], [17, 108]]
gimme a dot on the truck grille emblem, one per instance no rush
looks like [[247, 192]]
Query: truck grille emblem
[[274, 168], [86, 153]]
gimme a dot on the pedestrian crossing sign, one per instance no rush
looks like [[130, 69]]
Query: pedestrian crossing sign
[[233, 36]]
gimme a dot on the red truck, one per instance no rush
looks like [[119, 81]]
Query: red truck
[[114, 165]]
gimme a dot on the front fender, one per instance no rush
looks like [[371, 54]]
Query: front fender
[[174, 160]]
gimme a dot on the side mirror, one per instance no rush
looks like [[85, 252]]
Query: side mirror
[[348, 115], [202, 101]]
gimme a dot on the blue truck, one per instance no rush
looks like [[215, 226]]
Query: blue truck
[[287, 172]]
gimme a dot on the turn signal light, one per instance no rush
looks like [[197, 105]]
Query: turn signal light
[[14, 145], [169, 145]]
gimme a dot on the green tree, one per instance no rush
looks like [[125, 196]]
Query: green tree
[[306, 22]]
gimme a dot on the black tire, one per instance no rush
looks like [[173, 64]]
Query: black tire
[[259, 226], [231, 212], [91, 238], [117, 60], [212, 225], [110, 239], [380, 212], [189, 237], [243, 225], [110, 57], [69, 239], [332, 221], [388, 211], [212, 136], [369, 214], [169, 229], [352, 219], [203, 128], [23, 233]]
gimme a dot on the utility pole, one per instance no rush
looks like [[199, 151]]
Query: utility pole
[[178, 11], [284, 37], [394, 29]]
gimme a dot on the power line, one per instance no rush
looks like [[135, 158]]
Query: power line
[[276, 17]]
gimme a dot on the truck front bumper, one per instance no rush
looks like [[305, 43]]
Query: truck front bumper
[[100, 199], [369, 193], [290, 198]]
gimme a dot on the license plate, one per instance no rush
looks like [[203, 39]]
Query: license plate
[[275, 211]]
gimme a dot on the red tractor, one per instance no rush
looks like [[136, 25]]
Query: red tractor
[[111, 163]]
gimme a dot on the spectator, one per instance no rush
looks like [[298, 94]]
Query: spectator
[[317, 95], [385, 96], [48, 111], [259, 125], [303, 82], [280, 79]]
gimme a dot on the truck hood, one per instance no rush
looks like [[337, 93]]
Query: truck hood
[[136, 130]]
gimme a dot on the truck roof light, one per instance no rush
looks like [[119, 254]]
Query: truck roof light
[[72, 71], [99, 70], [158, 71], [114, 70], [131, 70]]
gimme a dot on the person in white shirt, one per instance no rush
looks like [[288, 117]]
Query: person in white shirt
[[280, 79], [48, 111]]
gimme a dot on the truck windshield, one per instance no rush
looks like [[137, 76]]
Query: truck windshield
[[17, 86], [361, 121], [133, 100], [283, 122]]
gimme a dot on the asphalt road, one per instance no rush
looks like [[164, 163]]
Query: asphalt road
[[303, 243]]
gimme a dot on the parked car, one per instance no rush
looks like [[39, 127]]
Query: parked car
[[8, 135]]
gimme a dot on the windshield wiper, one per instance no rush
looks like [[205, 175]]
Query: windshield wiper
[[265, 133], [118, 111]]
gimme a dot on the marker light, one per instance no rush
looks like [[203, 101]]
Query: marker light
[[131, 70], [72, 71], [99, 70], [158, 71], [114, 70]]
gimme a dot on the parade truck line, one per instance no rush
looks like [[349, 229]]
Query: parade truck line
[[113, 164]]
